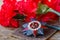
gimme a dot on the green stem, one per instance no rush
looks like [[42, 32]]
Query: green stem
[[51, 10]]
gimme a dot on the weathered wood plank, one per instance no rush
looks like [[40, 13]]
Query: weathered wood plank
[[56, 36]]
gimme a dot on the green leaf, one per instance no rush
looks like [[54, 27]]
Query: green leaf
[[18, 16]]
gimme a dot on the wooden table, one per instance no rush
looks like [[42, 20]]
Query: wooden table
[[56, 36]]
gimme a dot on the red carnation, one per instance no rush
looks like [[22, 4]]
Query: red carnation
[[27, 6], [48, 17], [7, 12], [55, 4]]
